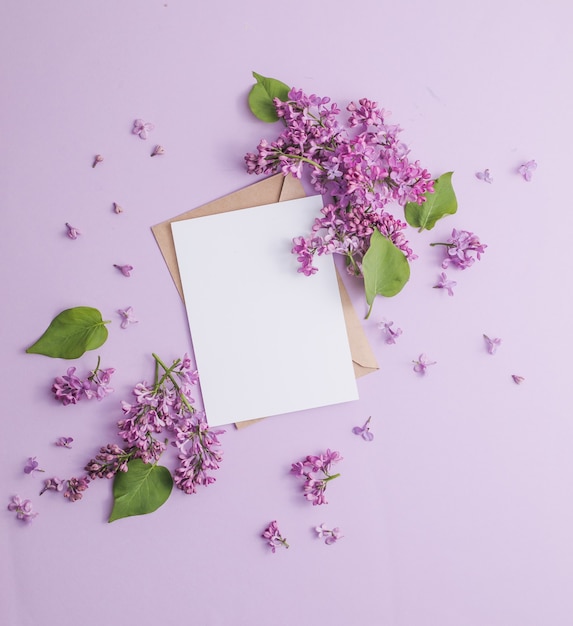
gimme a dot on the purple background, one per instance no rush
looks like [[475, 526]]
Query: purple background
[[460, 512]]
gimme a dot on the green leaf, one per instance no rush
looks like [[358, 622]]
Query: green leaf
[[140, 490], [442, 202], [71, 333], [385, 269], [262, 94]]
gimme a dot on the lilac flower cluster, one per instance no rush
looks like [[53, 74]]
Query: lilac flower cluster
[[359, 167], [463, 248], [70, 389], [316, 471], [166, 406], [22, 508], [273, 536]]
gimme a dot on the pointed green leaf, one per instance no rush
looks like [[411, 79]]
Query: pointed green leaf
[[262, 94], [140, 490], [71, 333], [442, 202], [385, 269]]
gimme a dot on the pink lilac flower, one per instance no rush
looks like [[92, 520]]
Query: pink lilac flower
[[391, 333], [330, 536], [69, 389], [124, 269], [444, 283], [364, 431], [526, 169], [64, 442], [158, 150], [485, 176], [75, 488], [97, 159], [116, 208], [32, 466], [517, 379], [142, 128], [127, 317], [316, 471], [463, 248], [73, 233], [361, 168], [422, 364], [492, 344], [273, 536], [22, 508], [52, 484]]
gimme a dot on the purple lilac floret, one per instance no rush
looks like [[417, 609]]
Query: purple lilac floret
[[485, 176], [463, 248], [141, 128], [364, 431], [64, 442], [32, 466], [330, 536], [73, 233], [360, 167], [52, 484], [75, 488], [391, 333], [421, 365], [517, 379], [127, 317], [526, 169], [124, 269], [22, 508], [445, 283], [316, 472], [70, 389], [273, 536], [492, 344]]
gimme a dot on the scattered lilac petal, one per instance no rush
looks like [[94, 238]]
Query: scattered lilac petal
[[329, 536], [127, 317], [142, 128], [364, 431], [116, 208], [158, 150], [485, 176], [64, 442], [444, 283], [97, 159], [421, 365], [273, 536], [526, 169], [391, 333], [73, 233], [517, 379], [124, 269], [52, 484], [22, 508], [492, 344], [32, 466]]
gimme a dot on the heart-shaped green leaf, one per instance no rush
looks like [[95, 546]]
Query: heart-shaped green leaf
[[71, 333], [262, 94], [385, 269], [439, 203], [140, 490]]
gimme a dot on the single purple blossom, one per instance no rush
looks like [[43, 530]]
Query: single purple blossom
[[422, 364], [492, 344], [517, 379], [22, 508], [64, 442], [364, 431], [273, 536], [158, 150], [142, 128], [127, 317], [444, 283], [485, 176], [52, 484], [73, 233], [97, 159], [526, 169], [32, 466], [391, 333], [124, 269], [330, 536]]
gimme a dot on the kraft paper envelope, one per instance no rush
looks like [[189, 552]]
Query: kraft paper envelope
[[276, 188]]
